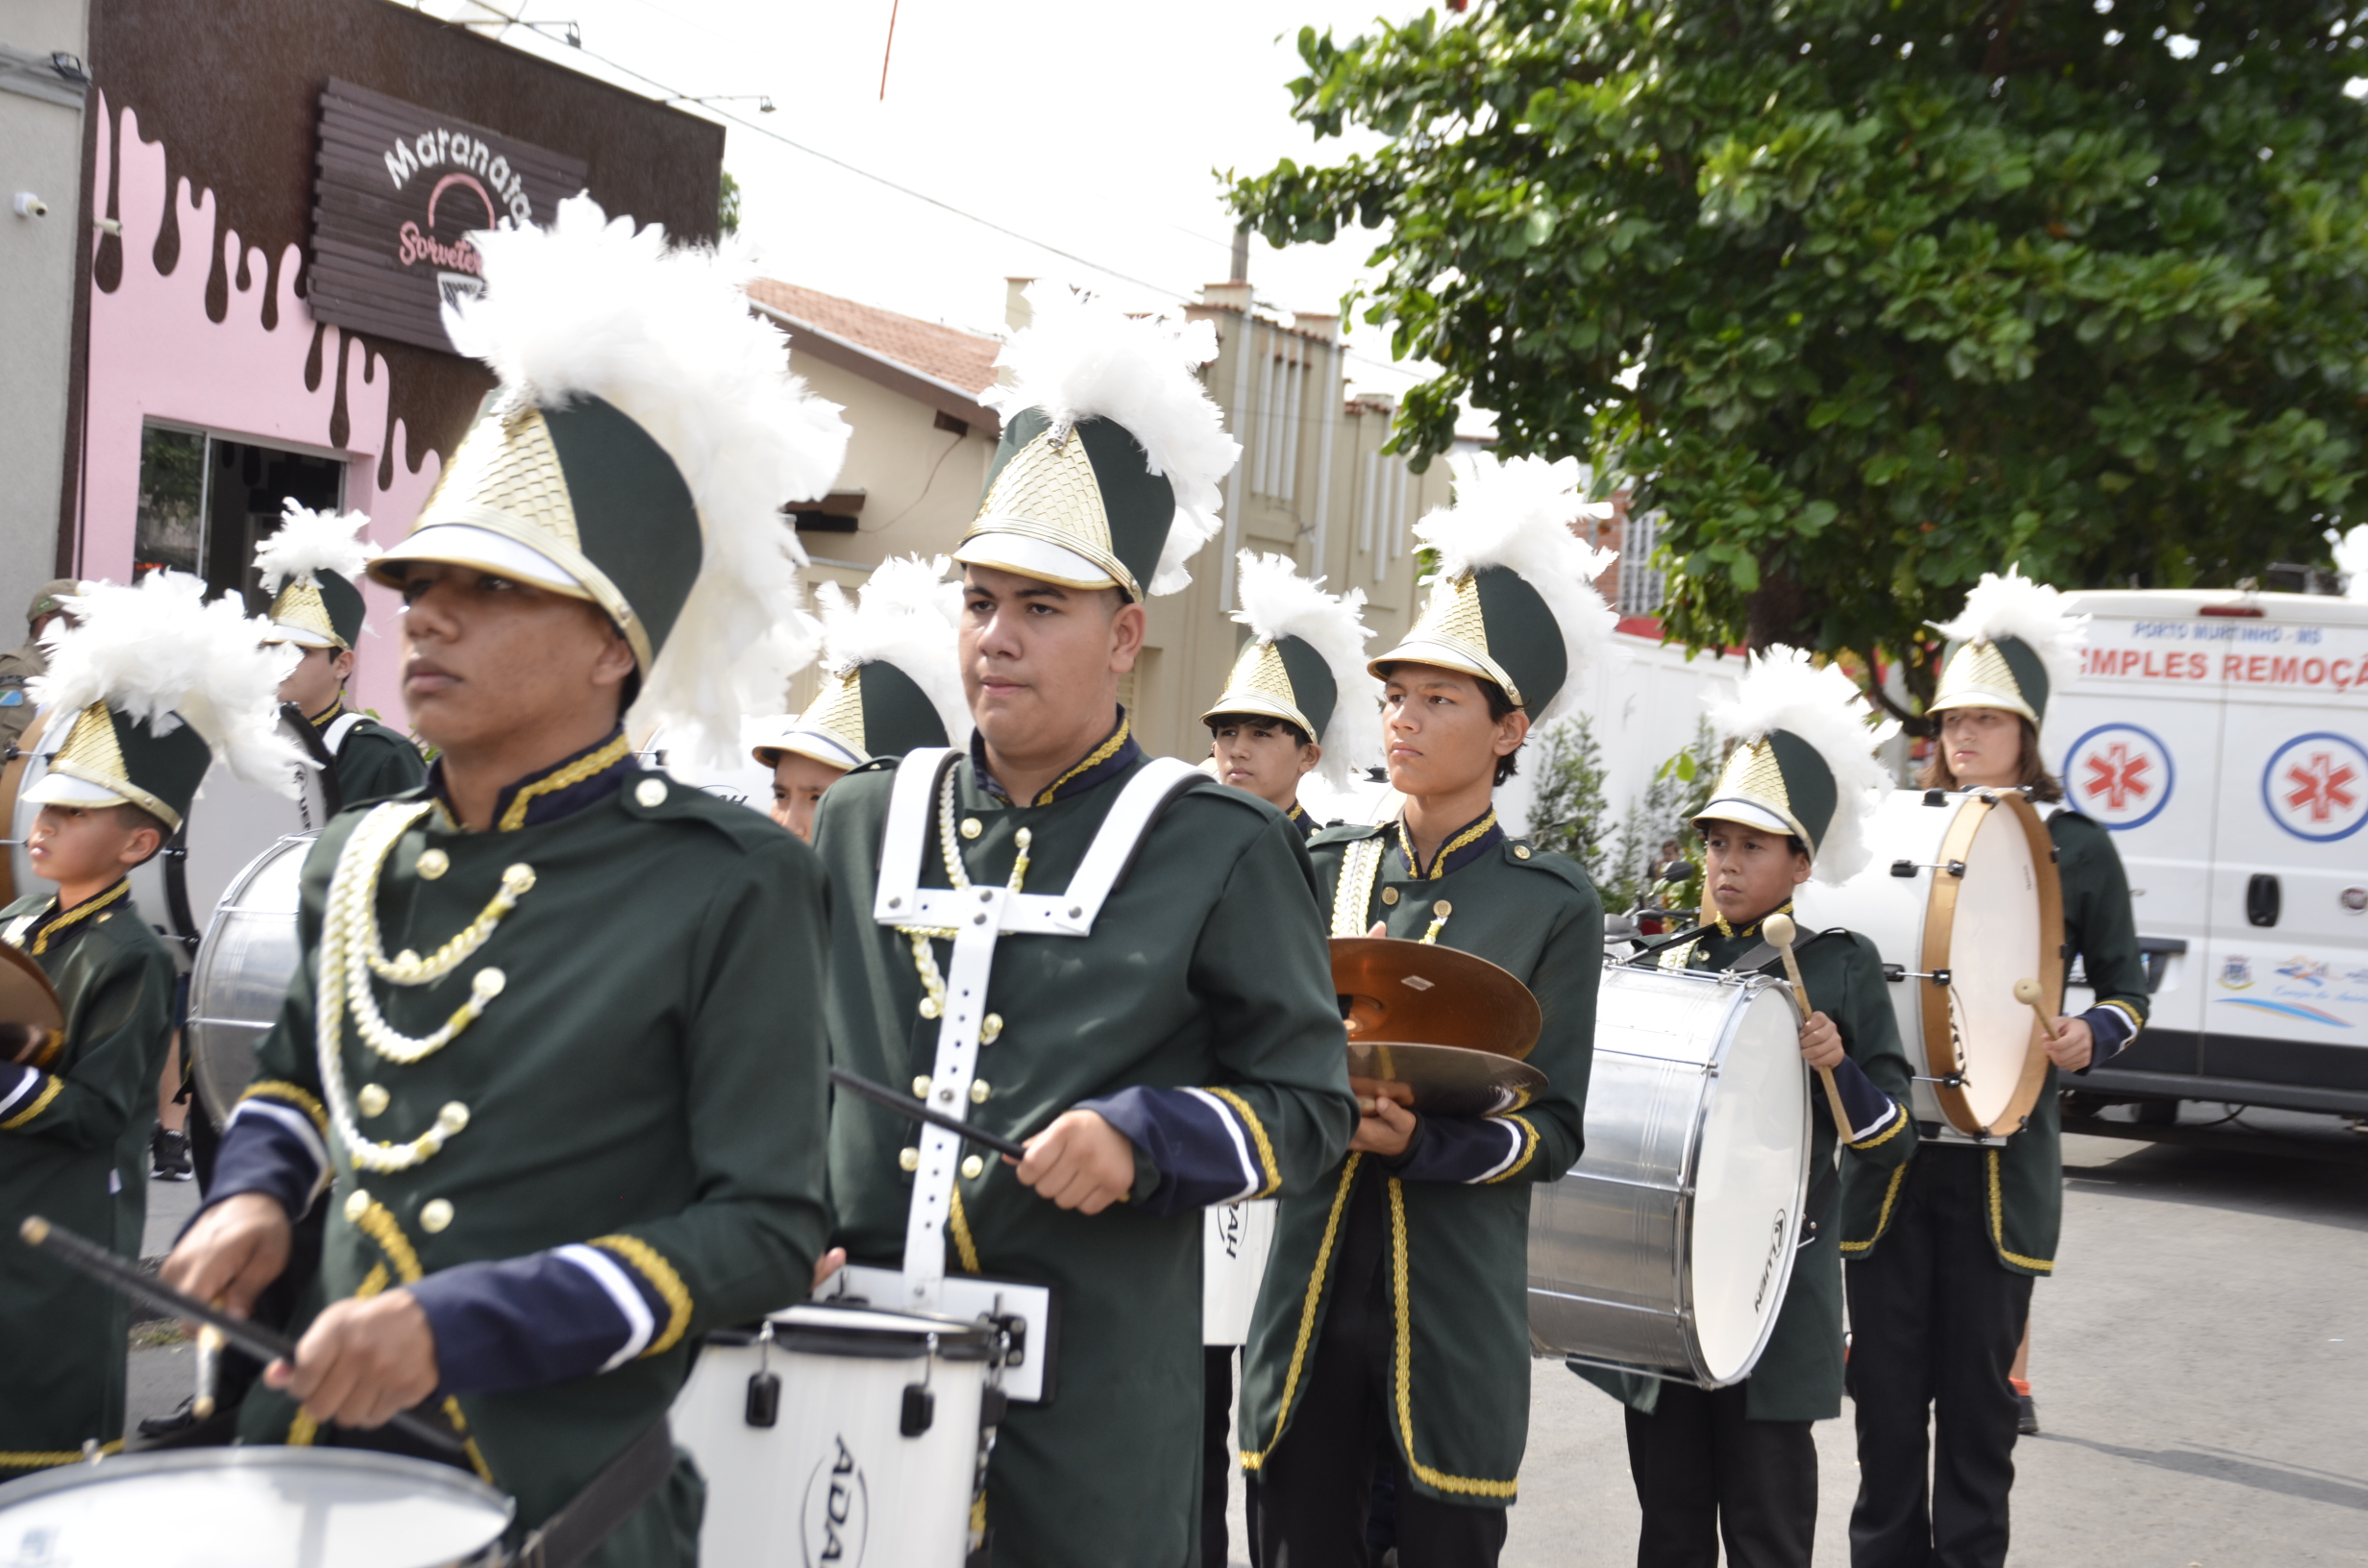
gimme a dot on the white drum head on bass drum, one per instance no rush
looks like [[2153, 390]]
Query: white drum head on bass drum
[[252, 1507], [1995, 941], [1748, 1189], [242, 972]]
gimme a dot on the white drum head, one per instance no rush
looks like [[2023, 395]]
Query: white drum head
[[241, 973], [252, 1507], [1995, 939], [1748, 1189]]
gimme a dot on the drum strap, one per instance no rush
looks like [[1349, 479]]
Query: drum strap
[[584, 1523]]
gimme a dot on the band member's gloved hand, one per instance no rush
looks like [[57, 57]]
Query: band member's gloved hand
[[1081, 1161], [1821, 1043], [362, 1361], [235, 1248], [1385, 1126], [2073, 1044]]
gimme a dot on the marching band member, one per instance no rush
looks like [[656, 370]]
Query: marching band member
[[1739, 1463], [309, 566], [154, 680], [21, 665], [892, 685], [1298, 698], [558, 1146], [1181, 1050], [1395, 1297], [1943, 1250]]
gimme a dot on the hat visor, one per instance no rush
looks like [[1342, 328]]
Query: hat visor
[[461, 543], [285, 632], [1750, 813], [1031, 557], [1257, 706], [1983, 697], [1446, 655], [59, 789], [820, 745]]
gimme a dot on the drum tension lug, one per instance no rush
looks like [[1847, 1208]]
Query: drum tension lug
[[1957, 867], [1902, 868], [920, 1411], [1012, 1329], [1936, 798], [764, 1402]]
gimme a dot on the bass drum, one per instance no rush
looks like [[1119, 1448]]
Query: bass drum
[[1961, 901], [1666, 1249], [242, 972], [15, 874], [228, 824]]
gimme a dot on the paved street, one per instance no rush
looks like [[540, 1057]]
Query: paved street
[[2202, 1370]]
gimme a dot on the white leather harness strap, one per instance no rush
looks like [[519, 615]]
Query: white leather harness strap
[[978, 916], [340, 728]]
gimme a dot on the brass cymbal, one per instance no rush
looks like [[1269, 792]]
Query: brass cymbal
[[1405, 991], [1447, 1079], [26, 998]]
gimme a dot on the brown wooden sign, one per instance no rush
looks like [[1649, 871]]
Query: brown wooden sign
[[399, 191]]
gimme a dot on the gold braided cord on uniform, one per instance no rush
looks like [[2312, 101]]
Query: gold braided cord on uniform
[[1258, 1132], [80, 913], [41, 1103], [50, 1458], [574, 773], [651, 1265], [1997, 1225], [1093, 759], [1439, 862], [1307, 1312], [1446, 1482], [1529, 1147], [958, 1226], [293, 1095], [1353, 897], [1884, 1137], [1882, 1220], [376, 1222]]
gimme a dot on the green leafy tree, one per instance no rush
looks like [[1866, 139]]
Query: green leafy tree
[[1569, 813], [1870, 296], [1572, 814], [728, 204]]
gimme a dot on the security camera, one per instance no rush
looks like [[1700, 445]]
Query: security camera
[[30, 206]]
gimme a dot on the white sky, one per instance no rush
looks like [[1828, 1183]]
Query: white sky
[[1089, 125]]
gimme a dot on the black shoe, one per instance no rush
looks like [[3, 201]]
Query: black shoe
[[169, 1157], [2025, 1416]]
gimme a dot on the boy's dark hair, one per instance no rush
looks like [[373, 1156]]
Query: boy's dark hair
[[2032, 773], [134, 818], [1258, 721]]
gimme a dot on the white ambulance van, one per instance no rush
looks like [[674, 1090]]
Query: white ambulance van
[[2223, 738]]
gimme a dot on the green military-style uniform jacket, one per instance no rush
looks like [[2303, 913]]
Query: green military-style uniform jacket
[[2025, 1173], [623, 1150], [373, 762], [64, 1119], [1197, 1017], [1799, 1375], [1457, 1205]]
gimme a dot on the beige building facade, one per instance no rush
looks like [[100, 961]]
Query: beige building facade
[[1313, 482]]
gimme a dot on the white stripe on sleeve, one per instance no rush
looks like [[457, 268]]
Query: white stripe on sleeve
[[1251, 1174], [1513, 1130], [639, 1323]]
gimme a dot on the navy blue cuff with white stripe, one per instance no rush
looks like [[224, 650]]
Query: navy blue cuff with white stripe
[[18, 1084], [527, 1322], [2109, 1027], [272, 1148], [1466, 1149], [1201, 1144], [1871, 1111]]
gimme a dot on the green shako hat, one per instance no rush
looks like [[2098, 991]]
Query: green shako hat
[[1112, 453], [645, 436], [1304, 663], [1803, 761], [158, 681], [895, 682], [2011, 648], [310, 567], [1513, 602]]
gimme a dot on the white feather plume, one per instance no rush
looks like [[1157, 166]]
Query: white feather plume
[[2015, 606], [1084, 359], [1276, 601], [1517, 514], [1785, 689], [908, 615], [2352, 559], [159, 654], [594, 307], [310, 542]]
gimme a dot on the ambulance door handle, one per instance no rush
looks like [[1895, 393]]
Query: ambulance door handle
[[2262, 899]]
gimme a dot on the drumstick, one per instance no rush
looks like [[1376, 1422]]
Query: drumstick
[[904, 1105], [256, 1340], [2029, 993], [1778, 930]]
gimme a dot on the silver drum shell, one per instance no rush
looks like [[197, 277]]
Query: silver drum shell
[[241, 973]]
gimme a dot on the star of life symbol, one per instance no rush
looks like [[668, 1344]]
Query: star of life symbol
[[2317, 787], [2120, 775]]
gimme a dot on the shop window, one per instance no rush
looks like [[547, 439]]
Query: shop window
[[206, 500]]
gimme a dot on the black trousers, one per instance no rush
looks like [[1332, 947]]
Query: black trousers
[[1218, 1458], [1934, 1320], [1704, 1471], [1310, 1503]]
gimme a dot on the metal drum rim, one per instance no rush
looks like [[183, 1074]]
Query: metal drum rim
[[202, 964], [904, 1338], [426, 1474]]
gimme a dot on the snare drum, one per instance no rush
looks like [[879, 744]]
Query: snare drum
[[242, 974], [1962, 901], [871, 1451], [253, 1507], [1235, 1239], [1666, 1249]]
